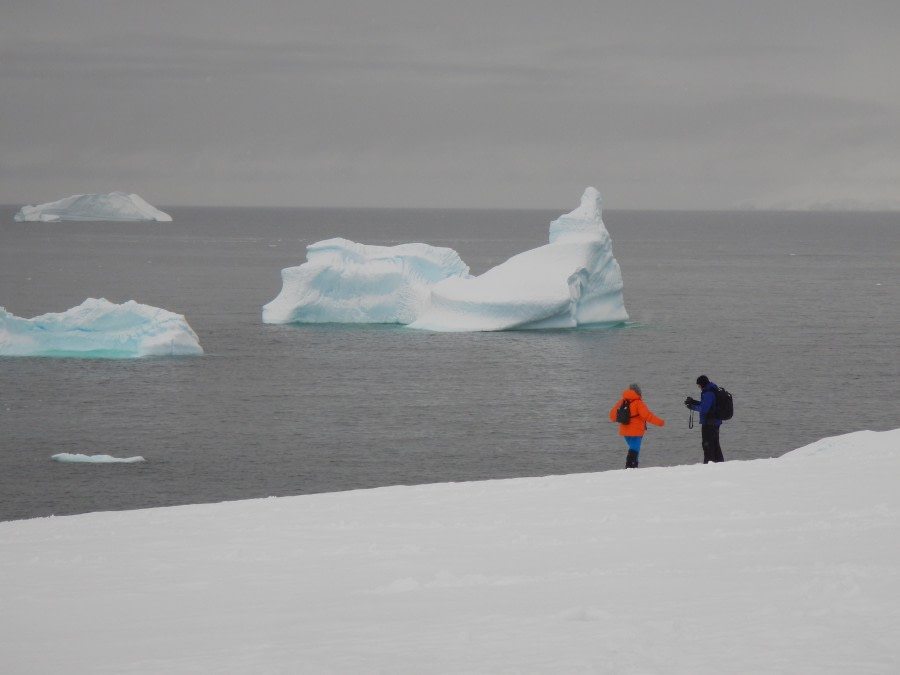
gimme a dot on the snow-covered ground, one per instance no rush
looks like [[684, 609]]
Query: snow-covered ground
[[788, 565]]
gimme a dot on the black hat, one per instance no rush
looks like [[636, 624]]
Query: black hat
[[703, 380]]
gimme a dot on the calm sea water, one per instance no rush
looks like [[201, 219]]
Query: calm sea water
[[796, 313]]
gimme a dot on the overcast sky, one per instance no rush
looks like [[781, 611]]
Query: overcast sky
[[658, 104]]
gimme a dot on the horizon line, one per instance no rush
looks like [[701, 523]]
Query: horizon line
[[887, 210]]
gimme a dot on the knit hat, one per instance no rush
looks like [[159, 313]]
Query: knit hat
[[703, 380], [636, 388]]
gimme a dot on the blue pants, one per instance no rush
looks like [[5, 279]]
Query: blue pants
[[634, 447]]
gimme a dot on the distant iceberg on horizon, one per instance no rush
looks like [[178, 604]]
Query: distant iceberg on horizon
[[574, 280], [116, 206], [98, 328]]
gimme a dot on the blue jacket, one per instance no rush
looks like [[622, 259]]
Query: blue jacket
[[707, 405]]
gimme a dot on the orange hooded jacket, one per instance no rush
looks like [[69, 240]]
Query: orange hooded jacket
[[640, 415]]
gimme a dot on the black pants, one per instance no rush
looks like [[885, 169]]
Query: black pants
[[631, 461], [712, 451]]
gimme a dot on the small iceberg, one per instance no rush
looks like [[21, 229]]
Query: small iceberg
[[98, 328], [95, 459], [116, 206]]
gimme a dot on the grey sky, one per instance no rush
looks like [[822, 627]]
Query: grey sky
[[658, 104]]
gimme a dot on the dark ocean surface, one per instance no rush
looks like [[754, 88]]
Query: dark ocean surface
[[797, 314]]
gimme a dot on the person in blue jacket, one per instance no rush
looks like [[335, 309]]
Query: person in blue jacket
[[709, 423]]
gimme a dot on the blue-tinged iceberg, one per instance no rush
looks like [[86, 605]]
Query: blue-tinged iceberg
[[573, 280], [111, 206], [98, 328], [346, 282]]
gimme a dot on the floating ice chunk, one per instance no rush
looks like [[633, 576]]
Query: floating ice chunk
[[95, 459], [346, 282], [574, 280], [111, 206], [99, 328]]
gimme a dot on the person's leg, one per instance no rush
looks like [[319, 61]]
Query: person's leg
[[634, 448], [717, 447], [706, 433], [712, 451]]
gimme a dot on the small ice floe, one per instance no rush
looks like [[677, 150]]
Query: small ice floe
[[95, 459]]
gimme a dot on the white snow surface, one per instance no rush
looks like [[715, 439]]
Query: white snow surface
[[788, 565], [108, 206], [99, 328], [574, 280], [78, 458]]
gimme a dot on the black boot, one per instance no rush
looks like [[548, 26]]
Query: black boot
[[631, 461]]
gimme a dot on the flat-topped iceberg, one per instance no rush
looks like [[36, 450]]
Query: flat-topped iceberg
[[98, 328], [573, 280], [75, 458], [111, 206], [346, 282]]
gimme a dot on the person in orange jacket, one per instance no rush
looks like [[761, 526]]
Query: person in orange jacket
[[634, 430]]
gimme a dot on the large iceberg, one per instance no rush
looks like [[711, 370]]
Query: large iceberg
[[111, 206], [346, 282], [101, 329], [573, 280]]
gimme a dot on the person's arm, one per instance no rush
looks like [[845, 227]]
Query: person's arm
[[707, 403], [646, 415], [653, 419]]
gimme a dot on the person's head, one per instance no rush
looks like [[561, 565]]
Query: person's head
[[636, 388], [702, 381]]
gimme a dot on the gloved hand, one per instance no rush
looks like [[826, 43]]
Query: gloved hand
[[690, 402]]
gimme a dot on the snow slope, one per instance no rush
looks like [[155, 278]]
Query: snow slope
[[788, 565]]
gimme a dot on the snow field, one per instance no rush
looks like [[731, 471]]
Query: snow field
[[785, 565]]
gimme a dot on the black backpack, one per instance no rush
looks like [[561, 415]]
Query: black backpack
[[724, 404], [623, 413]]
